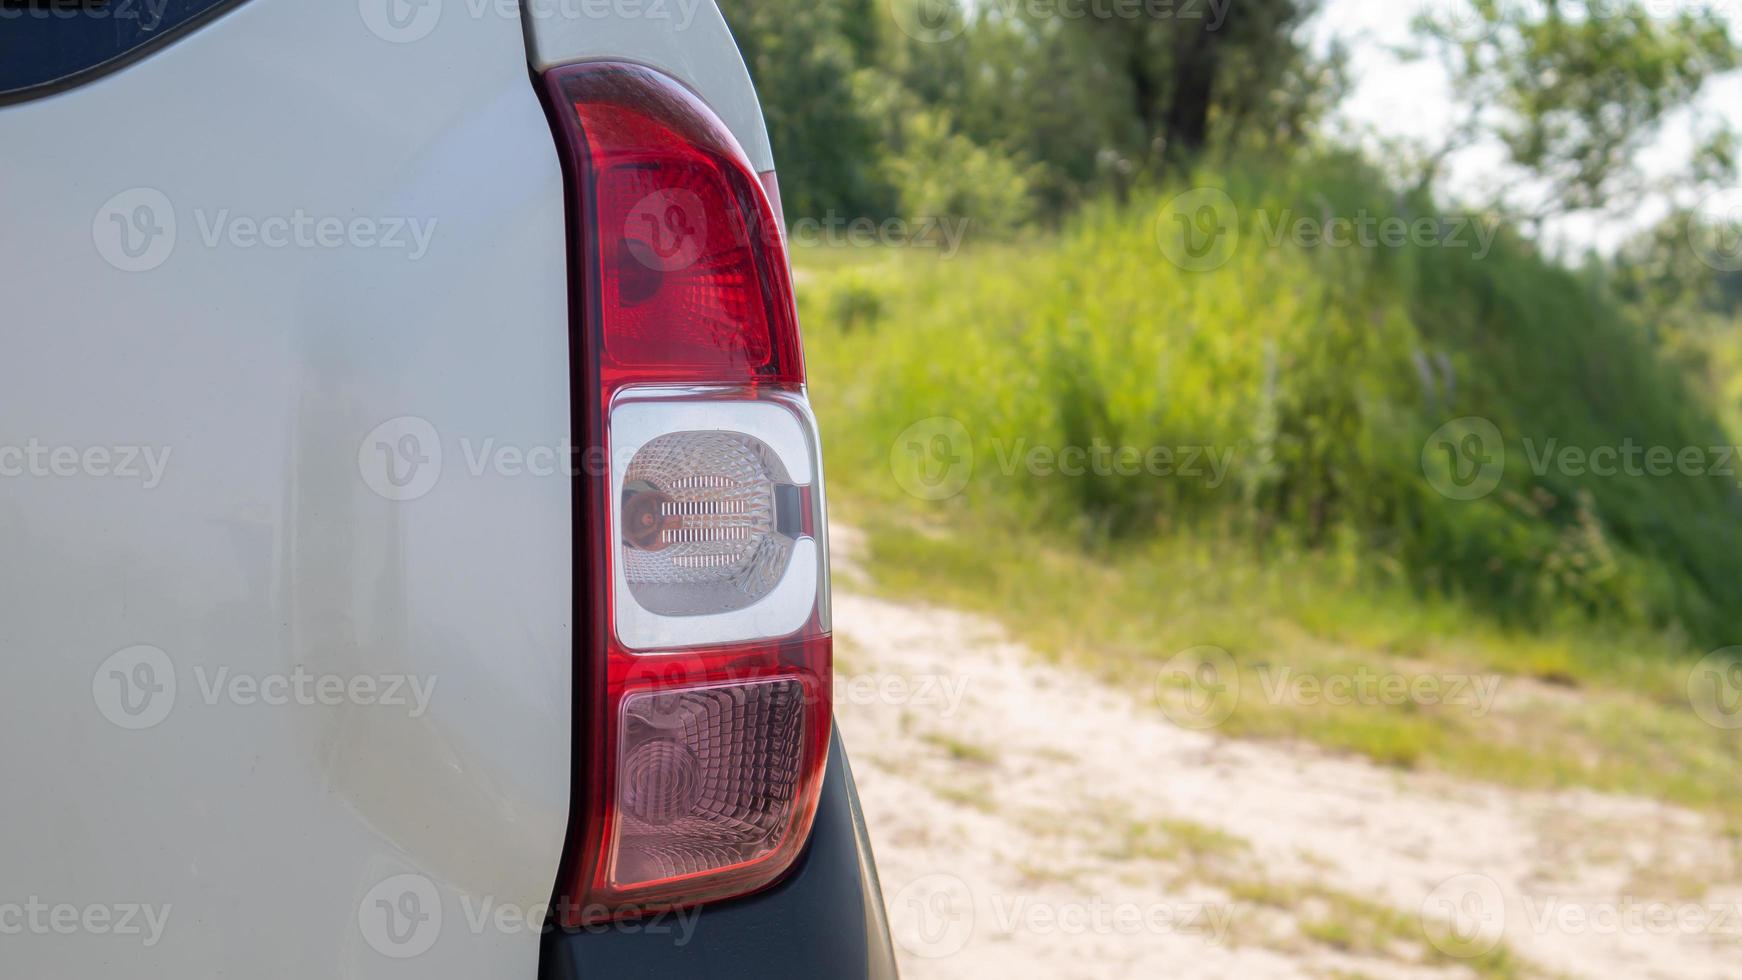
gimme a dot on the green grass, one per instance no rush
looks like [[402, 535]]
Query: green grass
[[1323, 547], [1313, 377], [961, 751], [1624, 725], [1355, 925]]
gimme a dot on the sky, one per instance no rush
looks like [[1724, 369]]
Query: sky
[[1398, 99]]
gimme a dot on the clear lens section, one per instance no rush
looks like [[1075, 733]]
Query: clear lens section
[[716, 518], [706, 779], [708, 523]]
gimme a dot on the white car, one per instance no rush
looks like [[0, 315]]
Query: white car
[[413, 558]]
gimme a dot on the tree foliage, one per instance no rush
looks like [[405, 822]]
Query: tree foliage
[[1009, 108], [1575, 90]]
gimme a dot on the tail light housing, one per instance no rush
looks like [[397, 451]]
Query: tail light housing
[[702, 713]]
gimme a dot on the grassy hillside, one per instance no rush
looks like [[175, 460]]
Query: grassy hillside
[[1305, 383], [1302, 516]]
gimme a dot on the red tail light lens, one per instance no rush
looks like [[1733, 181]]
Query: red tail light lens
[[703, 717], [692, 275]]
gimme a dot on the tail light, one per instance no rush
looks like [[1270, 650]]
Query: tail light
[[703, 717]]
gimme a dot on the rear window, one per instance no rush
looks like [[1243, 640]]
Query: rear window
[[49, 45]]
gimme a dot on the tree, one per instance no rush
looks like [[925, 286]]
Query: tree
[[804, 57], [1573, 90]]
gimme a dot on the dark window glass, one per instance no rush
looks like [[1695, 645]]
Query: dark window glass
[[48, 45]]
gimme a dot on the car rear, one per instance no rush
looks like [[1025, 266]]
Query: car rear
[[415, 531]]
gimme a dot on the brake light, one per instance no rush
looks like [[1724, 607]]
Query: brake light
[[702, 721]]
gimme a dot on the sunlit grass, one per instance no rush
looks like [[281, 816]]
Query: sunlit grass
[[1319, 545]]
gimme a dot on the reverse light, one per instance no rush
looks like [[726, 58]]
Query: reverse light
[[702, 715], [715, 518]]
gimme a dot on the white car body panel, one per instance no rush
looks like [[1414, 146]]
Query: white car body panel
[[174, 292], [262, 833]]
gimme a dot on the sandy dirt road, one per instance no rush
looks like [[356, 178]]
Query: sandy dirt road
[[1032, 822]]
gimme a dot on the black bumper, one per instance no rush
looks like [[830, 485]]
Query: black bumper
[[824, 920]]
